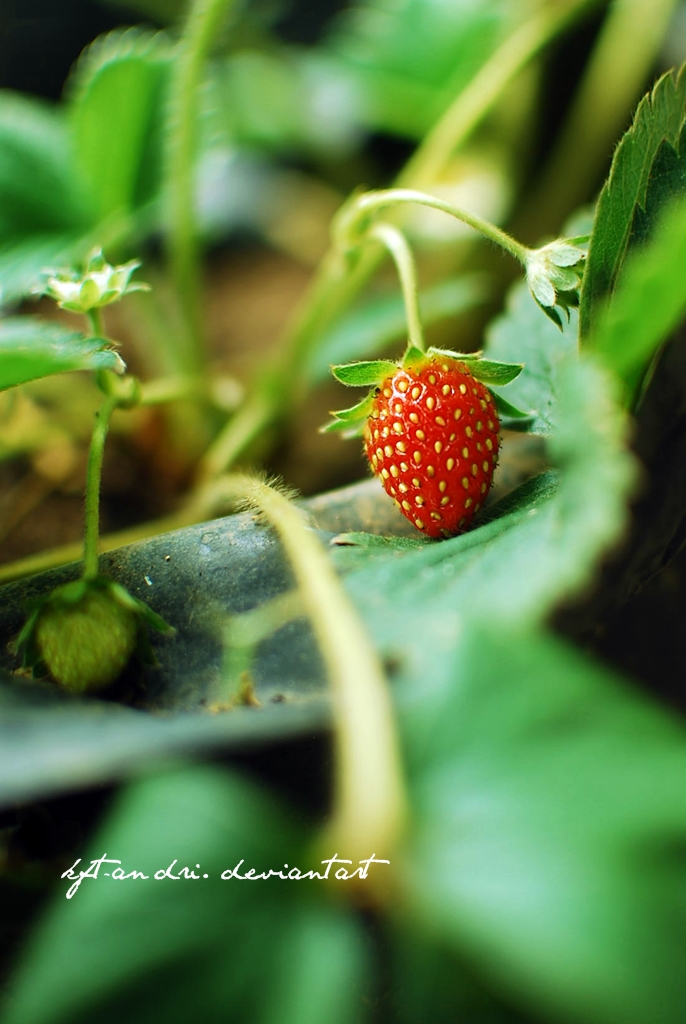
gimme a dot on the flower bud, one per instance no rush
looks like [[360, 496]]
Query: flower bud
[[554, 273], [99, 285]]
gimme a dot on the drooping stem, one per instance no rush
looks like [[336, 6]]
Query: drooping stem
[[370, 202], [369, 803], [201, 27], [93, 478], [398, 247]]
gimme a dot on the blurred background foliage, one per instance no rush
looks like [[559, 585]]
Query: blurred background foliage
[[542, 876]]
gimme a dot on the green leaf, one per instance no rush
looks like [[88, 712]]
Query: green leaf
[[38, 193], [30, 349], [522, 335], [116, 110], [649, 303], [549, 831], [374, 324], [204, 946], [364, 374], [659, 120]]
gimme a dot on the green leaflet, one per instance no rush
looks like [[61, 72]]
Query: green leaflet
[[522, 334], [658, 122], [38, 193], [115, 109], [520, 419], [648, 304], [30, 349]]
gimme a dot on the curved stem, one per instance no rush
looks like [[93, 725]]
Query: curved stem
[[396, 243], [371, 201], [369, 804], [201, 27], [93, 477]]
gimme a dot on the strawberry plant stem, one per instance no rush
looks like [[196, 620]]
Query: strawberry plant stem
[[201, 28], [369, 802], [370, 202], [334, 287], [396, 243], [93, 477], [96, 323]]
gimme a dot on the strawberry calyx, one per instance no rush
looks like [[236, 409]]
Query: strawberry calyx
[[372, 373]]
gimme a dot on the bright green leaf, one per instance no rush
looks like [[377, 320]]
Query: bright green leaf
[[38, 193], [30, 349], [649, 302], [521, 419], [350, 420], [116, 109], [522, 335], [659, 119]]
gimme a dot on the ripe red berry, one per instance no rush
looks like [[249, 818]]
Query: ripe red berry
[[432, 438]]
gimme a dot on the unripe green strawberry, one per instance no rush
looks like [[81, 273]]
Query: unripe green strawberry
[[85, 632], [86, 645], [432, 438]]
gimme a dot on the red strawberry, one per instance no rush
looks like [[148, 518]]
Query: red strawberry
[[431, 430], [432, 438]]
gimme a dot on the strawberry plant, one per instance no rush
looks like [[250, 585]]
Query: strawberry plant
[[434, 718]]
